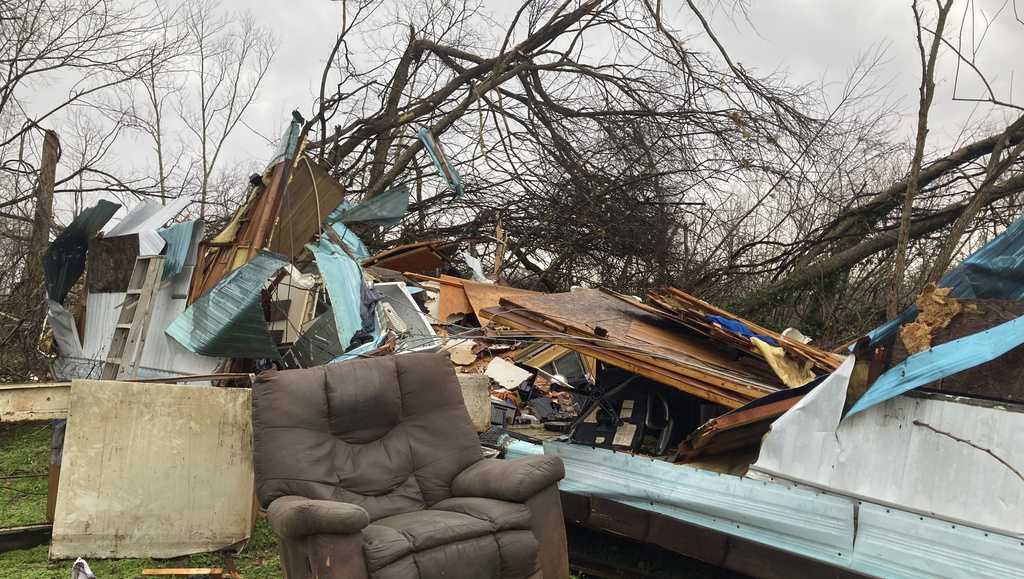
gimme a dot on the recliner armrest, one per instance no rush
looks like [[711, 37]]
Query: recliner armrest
[[509, 480], [293, 516]]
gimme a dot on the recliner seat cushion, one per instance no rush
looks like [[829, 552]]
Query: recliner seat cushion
[[509, 548]]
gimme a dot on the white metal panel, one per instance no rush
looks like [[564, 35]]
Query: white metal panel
[[903, 453], [144, 220], [161, 355]]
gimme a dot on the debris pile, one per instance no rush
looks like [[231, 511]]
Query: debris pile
[[289, 283]]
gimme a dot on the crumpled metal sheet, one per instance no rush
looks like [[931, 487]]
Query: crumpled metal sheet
[[384, 209], [181, 240], [898, 454], [145, 219], [343, 279], [228, 321], [64, 261]]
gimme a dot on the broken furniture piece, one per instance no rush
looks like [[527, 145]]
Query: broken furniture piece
[[372, 468]]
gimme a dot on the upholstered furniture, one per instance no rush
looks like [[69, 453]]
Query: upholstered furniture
[[372, 469]]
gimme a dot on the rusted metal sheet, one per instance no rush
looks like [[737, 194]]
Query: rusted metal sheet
[[310, 196], [419, 257]]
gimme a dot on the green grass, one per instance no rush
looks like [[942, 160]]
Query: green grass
[[25, 449]]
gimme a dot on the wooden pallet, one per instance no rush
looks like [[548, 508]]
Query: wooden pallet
[[133, 321]]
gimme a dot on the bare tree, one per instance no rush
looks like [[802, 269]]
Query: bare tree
[[231, 58], [927, 94]]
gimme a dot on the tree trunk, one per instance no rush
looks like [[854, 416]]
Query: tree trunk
[[33, 282]]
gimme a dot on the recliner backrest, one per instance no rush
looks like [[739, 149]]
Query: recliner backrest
[[388, 433]]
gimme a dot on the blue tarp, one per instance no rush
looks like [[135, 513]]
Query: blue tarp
[[227, 321], [343, 279], [384, 209], [740, 329], [943, 360], [179, 240]]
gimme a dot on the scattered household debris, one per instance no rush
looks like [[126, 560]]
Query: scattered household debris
[[668, 384]]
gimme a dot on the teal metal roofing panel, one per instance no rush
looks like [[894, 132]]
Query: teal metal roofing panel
[[384, 209], [227, 321], [800, 520], [895, 543]]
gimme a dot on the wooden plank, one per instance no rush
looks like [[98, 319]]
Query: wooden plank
[[34, 402], [628, 363], [213, 571], [140, 323], [25, 537]]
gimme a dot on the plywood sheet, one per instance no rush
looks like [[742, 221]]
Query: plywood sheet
[[154, 470], [485, 295], [311, 194]]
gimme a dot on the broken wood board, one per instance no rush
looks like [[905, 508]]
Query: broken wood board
[[154, 470], [34, 402], [453, 300], [208, 571]]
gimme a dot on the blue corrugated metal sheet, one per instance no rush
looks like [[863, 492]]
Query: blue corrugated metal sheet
[[803, 521], [227, 321], [352, 242], [384, 209], [943, 360], [996, 271]]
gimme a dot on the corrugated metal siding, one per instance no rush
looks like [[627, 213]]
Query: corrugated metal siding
[[803, 521], [888, 542]]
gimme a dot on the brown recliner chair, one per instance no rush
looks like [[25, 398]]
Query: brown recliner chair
[[371, 468]]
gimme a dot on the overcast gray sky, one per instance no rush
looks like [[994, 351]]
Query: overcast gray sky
[[812, 41]]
